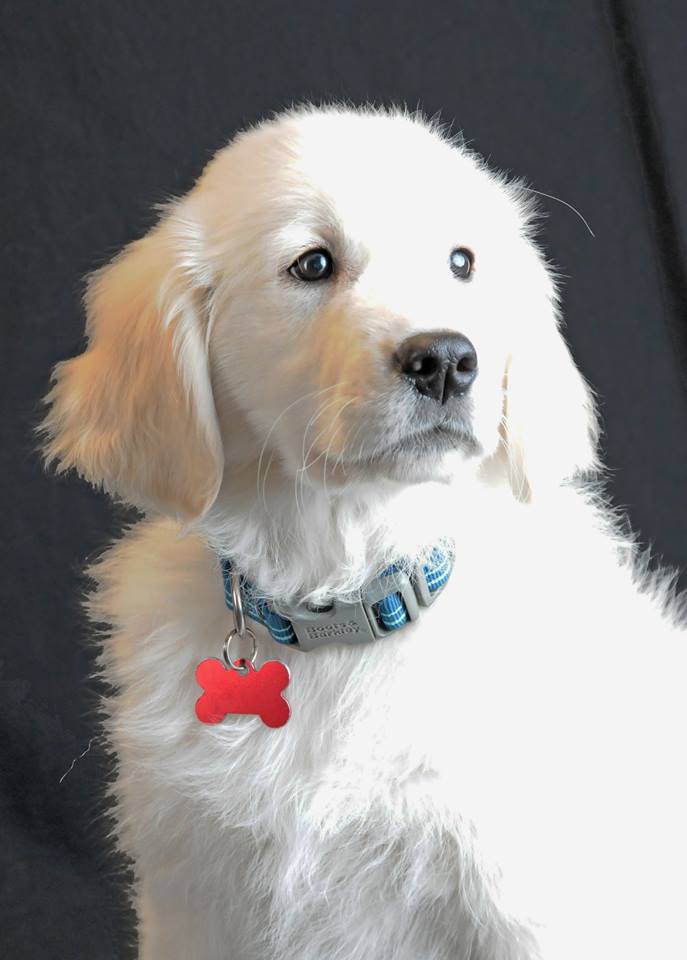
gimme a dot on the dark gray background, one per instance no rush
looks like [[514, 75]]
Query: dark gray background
[[110, 107]]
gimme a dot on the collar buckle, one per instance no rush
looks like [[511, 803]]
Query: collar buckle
[[341, 621], [350, 621]]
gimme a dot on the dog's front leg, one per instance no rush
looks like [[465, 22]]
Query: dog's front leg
[[180, 922], [359, 893], [174, 926]]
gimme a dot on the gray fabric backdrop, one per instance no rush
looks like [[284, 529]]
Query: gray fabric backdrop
[[110, 107]]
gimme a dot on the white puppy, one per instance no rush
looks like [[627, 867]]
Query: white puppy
[[339, 353]]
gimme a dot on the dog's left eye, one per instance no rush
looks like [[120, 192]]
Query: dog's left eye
[[461, 262], [312, 265]]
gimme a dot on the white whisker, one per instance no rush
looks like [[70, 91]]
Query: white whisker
[[305, 396], [565, 203], [300, 473]]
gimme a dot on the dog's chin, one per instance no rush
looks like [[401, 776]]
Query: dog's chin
[[431, 454]]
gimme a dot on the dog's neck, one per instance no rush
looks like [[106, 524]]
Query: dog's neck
[[325, 542]]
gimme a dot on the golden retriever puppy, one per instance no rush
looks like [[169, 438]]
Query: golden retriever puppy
[[332, 378]]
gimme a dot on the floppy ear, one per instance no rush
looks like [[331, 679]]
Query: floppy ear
[[550, 424], [135, 413]]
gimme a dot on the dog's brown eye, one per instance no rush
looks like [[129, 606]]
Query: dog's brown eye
[[312, 265], [461, 262]]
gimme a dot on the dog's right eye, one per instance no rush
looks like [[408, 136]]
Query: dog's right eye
[[312, 265]]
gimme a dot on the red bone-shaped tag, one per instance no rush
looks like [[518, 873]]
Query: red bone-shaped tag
[[246, 691]]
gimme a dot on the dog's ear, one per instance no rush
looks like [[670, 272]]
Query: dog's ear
[[134, 413], [550, 426]]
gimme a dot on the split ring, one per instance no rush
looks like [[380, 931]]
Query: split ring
[[243, 661]]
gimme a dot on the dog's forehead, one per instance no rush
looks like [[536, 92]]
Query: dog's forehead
[[362, 163], [382, 181], [374, 167]]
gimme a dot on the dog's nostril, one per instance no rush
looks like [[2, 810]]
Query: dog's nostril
[[425, 366], [467, 364]]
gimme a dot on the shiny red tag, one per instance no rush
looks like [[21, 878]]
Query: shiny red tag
[[243, 691]]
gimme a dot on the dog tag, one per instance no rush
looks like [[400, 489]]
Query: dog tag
[[243, 689]]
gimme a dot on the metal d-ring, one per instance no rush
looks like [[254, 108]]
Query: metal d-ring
[[240, 663]]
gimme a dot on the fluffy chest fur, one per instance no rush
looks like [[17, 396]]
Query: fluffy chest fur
[[521, 708]]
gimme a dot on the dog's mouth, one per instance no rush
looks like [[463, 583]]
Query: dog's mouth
[[425, 444], [437, 439]]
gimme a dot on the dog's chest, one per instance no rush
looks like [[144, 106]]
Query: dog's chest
[[406, 716]]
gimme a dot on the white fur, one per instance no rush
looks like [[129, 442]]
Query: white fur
[[502, 779]]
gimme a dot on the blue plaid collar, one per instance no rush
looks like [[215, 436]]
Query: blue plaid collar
[[388, 602]]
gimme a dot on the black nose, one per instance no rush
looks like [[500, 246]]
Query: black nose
[[440, 364]]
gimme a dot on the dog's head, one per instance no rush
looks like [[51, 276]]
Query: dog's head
[[346, 295]]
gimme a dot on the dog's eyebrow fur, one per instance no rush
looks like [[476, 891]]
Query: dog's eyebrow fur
[[312, 211]]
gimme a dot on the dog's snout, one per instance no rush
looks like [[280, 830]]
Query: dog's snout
[[440, 364]]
